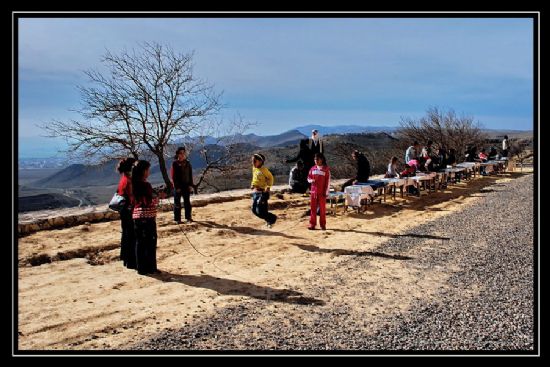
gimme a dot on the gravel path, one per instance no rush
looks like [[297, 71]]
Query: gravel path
[[486, 303]]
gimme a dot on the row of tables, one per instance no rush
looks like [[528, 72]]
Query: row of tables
[[364, 193]]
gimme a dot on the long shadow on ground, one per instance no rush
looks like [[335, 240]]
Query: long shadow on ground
[[392, 235], [238, 288], [340, 252], [245, 230]]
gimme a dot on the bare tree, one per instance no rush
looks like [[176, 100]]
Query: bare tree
[[520, 151], [142, 101], [444, 128], [222, 155]]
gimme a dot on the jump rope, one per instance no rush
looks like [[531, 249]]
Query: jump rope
[[200, 253]]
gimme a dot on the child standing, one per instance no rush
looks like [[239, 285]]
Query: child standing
[[128, 239], [262, 180], [319, 178], [182, 179], [144, 215]]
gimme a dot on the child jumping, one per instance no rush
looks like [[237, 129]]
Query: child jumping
[[262, 180], [319, 178]]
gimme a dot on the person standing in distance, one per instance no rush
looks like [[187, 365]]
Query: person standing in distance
[[182, 179]]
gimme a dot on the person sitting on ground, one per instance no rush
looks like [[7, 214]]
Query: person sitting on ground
[[305, 155], [392, 169], [363, 169], [298, 179]]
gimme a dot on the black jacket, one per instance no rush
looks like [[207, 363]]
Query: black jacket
[[182, 174], [363, 168]]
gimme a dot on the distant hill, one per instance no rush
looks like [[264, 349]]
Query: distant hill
[[286, 138], [105, 174], [344, 129], [290, 137], [512, 134], [46, 201], [78, 175]]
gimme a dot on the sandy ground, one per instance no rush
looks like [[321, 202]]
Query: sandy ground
[[86, 299]]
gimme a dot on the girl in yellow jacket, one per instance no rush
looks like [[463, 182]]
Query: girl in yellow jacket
[[262, 180]]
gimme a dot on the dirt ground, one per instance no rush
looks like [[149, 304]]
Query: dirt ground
[[74, 293]]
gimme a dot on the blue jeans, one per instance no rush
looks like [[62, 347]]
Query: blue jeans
[[259, 207]]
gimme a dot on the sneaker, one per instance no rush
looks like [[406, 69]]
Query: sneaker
[[269, 225], [311, 228], [324, 228], [188, 221]]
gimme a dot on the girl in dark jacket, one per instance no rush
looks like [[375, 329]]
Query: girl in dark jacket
[[144, 215]]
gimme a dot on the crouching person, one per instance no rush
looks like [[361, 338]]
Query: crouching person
[[298, 180]]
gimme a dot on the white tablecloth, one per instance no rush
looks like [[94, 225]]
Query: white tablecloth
[[356, 193]]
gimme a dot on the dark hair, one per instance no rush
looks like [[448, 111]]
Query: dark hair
[[505, 136], [259, 157], [429, 142], [125, 165], [138, 186], [321, 156], [299, 162], [415, 143], [139, 169], [394, 158], [178, 151]]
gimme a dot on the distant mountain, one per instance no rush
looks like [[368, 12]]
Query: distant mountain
[[78, 175], [499, 133], [46, 201], [291, 137], [105, 174], [344, 129]]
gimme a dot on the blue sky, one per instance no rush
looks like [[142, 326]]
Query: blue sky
[[283, 73]]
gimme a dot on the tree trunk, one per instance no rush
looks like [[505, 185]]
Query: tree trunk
[[163, 171]]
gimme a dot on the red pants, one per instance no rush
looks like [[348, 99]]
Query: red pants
[[320, 201]]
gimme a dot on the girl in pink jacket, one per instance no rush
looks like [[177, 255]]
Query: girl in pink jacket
[[319, 178]]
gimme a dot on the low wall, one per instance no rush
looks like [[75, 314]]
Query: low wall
[[30, 222]]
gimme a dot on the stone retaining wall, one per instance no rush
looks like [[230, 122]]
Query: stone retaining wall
[[51, 219]]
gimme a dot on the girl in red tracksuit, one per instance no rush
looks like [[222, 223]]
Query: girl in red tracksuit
[[319, 178]]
